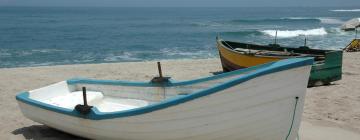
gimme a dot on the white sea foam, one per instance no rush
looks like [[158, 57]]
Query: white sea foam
[[47, 50], [298, 18], [330, 21], [205, 51], [346, 10], [325, 20], [206, 24], [4, 54], [126, 56], [295, 33]]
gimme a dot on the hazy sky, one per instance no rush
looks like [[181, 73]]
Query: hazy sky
[[182, 3]]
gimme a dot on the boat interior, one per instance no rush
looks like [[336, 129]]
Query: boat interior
[[112, 96], [276, 50]]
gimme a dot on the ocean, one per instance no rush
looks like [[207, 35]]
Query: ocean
[[38, 36]]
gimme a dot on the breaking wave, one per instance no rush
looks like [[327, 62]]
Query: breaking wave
[[295, 33], [331, 21], [270, 20], [126, 56], [324, 20], [206, 24], [242, 33], [346, 10]]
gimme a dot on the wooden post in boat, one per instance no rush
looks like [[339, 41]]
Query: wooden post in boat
[[247, 47], [275, 41], [159, 68], [85, 108], [160, 79], [84, 96]]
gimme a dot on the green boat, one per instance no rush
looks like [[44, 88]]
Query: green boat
[[326, 68]]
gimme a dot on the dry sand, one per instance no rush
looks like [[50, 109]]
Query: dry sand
[[331, 112]]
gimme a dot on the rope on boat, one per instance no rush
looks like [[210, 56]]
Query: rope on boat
[[228, 45], [276, 34], [293, 119], [218, 37]]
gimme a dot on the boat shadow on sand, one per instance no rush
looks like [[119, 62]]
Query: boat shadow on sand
[[41, 132]]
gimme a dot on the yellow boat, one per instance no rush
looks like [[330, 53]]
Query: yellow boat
[[236, 59], [235, 55], [354, 46]]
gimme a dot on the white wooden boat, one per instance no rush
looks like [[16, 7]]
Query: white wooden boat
[[264, 102]]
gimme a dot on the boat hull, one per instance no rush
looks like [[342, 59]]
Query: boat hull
[[321, 74], [232, 60], [268, 107], [354, 46]]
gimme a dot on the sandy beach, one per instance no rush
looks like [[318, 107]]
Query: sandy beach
[[331, 112]]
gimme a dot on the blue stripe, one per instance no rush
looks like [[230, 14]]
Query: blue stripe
[[97, 115], [171, 83]]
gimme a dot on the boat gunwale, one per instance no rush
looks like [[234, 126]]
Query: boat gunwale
[[171, 82], [254, 55], [95, 114], [219, 42]]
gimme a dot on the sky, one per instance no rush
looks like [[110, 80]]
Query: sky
[[184, 3]]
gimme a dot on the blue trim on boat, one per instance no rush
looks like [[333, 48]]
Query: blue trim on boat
[[171, 81], [95, 114]]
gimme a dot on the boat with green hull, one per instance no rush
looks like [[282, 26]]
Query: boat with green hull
[[326, 68]]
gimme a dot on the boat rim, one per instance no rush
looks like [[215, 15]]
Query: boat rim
[[95, 114], [219, 41], [263, 56]]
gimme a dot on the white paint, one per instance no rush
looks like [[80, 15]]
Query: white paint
[[259, 109], [72, 99], [112, 105]]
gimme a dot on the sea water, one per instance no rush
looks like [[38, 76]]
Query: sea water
[[34, 36]]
